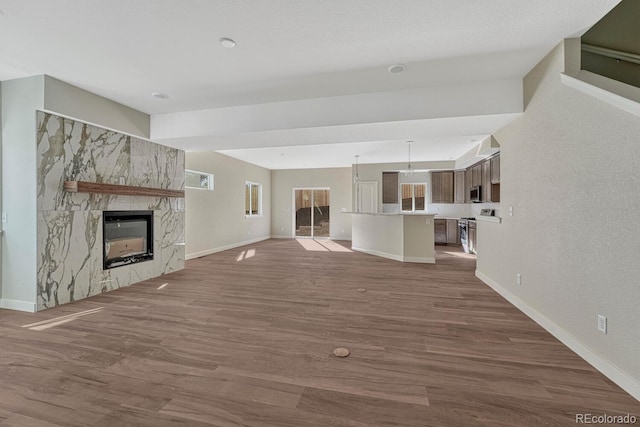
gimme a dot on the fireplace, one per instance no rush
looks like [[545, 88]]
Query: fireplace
[[128, 237]]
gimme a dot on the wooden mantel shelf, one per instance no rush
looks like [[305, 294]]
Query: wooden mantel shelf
[[121, 190]]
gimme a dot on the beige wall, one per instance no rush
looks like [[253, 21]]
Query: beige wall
[[20, 100], [67, 100], [570, 167], [338, 180], [215, 220]]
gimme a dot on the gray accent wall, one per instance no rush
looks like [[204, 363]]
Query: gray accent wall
[[570, 169]]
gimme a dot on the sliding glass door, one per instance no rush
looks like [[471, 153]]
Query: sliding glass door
[[311, 208]]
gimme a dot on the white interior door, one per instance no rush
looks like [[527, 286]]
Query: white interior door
[[367, 197]]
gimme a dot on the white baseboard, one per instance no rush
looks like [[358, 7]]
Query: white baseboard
[[12, 304], [625, 381], [394, 256], [224, 248], [288, 236], [419, 260], [378, 253]]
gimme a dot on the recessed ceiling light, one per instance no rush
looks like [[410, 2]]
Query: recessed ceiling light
[[227, 42], [160, 95], [397, 68]]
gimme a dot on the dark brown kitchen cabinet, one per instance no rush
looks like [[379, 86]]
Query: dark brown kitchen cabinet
[[389, 187], [486, 181], [468, 179], [446, 232], [453, 237], [495, 169], [442, 187], [460, 189], [476, 175], [440, 231]]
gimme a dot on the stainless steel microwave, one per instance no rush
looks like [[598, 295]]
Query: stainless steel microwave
[[475, 194]]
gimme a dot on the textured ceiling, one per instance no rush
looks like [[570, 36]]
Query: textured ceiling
[[286, 49]]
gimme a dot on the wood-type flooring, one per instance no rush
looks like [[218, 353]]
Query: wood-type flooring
[[245, 338]]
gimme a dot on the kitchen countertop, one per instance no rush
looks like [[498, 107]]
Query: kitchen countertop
[[494, 219], [392, 213]]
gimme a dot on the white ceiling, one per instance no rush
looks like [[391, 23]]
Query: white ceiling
[[286, 50]]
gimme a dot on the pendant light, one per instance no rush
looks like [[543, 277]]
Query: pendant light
[[409, 171], [357, 177]]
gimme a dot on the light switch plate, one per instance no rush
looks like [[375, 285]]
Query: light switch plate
[[602, 323]]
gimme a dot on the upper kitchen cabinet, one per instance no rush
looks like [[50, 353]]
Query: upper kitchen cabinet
[[468, 179], [476, 175], [485, 181], [442, 187], [389, 187], [495, 178], [460, 189], [495, 169]]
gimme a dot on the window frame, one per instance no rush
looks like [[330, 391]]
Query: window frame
[[211, 185], [249, 213], [413, 196]]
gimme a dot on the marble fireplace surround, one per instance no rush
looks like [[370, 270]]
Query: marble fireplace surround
[[70, 224]]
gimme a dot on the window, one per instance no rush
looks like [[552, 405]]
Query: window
[[252, 204], [413, 197], [198, 180]]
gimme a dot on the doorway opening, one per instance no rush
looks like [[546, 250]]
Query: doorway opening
[[311, 212]]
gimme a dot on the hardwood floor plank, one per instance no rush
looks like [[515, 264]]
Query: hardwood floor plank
[[249, 343]]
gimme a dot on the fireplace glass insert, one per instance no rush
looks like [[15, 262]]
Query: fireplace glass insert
[[128, 237]]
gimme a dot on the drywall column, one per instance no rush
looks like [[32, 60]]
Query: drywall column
[[20, 100]]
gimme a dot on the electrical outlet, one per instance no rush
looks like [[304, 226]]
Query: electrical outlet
[[510, 210], [122, 180], [602, 323], [518, 279]]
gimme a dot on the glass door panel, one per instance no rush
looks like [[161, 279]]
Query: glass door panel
[[311, 208], [303, 213], [321, 213]]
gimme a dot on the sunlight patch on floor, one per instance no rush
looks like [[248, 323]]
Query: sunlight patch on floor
[[322, 245], [461, 255], [57, 321], [333, 246], [246, 255], [312, 245]]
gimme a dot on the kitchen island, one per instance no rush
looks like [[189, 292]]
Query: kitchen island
[[402, 237]]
